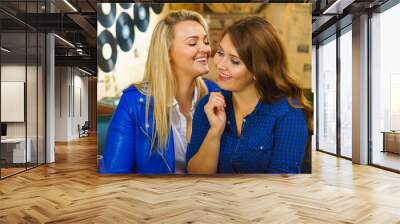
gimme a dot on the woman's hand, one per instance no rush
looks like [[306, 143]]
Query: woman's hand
[[204, 152], [215, 111]]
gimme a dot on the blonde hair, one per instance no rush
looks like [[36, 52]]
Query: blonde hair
[[158, 81]]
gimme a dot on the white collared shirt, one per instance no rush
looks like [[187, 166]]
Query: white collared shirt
[[179, 132]]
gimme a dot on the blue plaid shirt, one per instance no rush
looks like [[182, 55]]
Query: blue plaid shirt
[[273, 138]]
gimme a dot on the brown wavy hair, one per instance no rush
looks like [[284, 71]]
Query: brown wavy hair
[[264, 55]]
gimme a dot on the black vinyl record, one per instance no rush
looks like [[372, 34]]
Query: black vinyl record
[[142, 16], [106, 19], [157, 7], [125, 5], [106, 64], [125, 31]]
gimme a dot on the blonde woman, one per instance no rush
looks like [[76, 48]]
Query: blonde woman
[[152, 124]]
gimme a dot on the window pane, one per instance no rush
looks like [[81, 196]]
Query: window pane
[[327, 97], [31, 99], [313, 80], [385, 86], [14, 153], [346, 94]]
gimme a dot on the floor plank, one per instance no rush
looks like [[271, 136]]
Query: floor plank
[[71, 191]]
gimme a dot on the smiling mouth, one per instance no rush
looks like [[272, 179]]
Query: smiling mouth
[[201, 59], [224, 77]]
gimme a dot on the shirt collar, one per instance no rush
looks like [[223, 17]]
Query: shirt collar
[[194, 100]]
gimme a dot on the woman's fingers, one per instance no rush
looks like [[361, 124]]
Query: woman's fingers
[[216, 103], [218, 96], [217, 99], [215, 112], [220, 101]]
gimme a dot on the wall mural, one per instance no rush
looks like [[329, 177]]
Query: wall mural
[[123, 38], [124, 35], [124, 32]]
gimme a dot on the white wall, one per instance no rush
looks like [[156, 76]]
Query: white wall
[[61, 103], [50, 95], [71, 94]]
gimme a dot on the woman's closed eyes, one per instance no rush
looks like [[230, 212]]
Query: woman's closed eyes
[[233, 60], [195, 41]]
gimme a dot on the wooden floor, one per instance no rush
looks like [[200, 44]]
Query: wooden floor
[[5, 172], [70, 191]]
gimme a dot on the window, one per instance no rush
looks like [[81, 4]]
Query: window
[[385, 89], [346, 93], [327, 96]]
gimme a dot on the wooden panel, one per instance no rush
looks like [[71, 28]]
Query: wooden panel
[[292, 21], [392, 142], [198, 7]]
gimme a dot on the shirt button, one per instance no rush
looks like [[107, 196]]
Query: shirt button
[[141, 100], [261, 147], [244, 120]]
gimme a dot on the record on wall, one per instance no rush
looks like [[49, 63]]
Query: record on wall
[[157, 7], [106, 62], [142, 16], [106, 19], [125, 32], [125, 5]]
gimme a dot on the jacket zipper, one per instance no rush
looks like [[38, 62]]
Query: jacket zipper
[[158, 152]]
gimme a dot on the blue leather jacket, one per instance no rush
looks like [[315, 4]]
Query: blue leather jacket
[[128, 144]]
